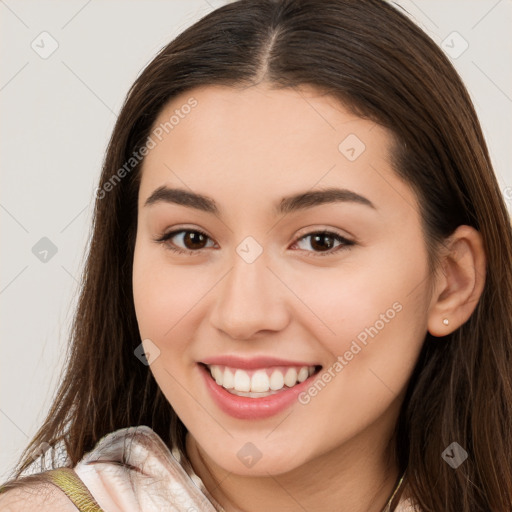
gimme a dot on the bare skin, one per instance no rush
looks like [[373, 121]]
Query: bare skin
[[247, 149]]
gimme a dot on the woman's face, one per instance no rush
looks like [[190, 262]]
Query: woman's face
[[262, 293]]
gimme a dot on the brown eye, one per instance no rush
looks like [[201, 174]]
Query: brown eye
[[192, 240], [324, 242]]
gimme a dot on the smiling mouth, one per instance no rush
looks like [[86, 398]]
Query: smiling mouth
[[260, 382]]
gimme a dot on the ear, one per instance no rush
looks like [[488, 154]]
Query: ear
[[460, 284]]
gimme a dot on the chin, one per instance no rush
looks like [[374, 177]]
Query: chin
[[258, 459]]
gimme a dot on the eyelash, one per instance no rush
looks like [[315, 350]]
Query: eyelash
[[167, 236]]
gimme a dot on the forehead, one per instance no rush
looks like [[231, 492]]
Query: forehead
[[259, 142], [259, 116]]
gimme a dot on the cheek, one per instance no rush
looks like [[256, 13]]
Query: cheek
[[379, 327], [164, 299], [374, 294], [162, 292], [371, 318]]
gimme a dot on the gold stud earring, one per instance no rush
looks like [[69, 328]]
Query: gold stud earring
[[446, 321]]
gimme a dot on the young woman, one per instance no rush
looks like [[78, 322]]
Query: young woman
[[298, 291]]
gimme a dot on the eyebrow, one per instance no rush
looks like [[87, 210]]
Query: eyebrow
[[288, 204]]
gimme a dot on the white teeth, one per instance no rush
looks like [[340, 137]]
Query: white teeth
[[303, 374], [228, 381], [262, 382], [291, 377], [276, 380], [242, 381], [217, 374], [252, 394]]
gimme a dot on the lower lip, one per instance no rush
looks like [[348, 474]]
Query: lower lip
[[246, 408]]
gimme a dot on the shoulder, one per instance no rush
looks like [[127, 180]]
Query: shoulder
[[42, 496]]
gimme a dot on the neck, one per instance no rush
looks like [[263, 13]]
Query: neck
[[356, 476]]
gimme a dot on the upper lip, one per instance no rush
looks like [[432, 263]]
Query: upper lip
[[254, 362]]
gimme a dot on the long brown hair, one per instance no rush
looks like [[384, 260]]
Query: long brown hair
[[377, 62]]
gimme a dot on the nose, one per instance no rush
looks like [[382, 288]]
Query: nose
[[251, 301]]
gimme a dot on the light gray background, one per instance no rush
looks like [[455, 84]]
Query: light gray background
[[57, 117]]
